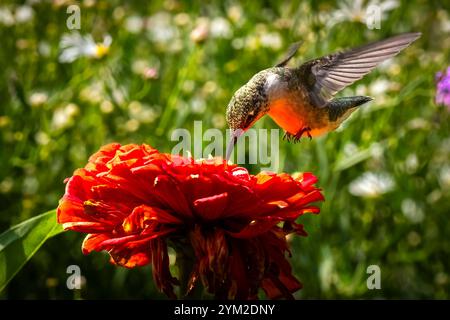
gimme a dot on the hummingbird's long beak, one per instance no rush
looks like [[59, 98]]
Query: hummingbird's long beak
[[235, 134]]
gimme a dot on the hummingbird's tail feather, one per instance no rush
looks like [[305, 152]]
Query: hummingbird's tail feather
[[291, 52], [342, 107]]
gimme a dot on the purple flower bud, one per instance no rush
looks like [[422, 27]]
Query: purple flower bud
[[443, 88]]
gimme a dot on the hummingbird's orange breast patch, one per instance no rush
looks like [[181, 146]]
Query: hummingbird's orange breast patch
[[287, 114], [292, 115]]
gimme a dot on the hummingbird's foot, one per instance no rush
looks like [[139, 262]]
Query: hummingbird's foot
[[308, 132], [300, 134], [288, 136], [296, 137]]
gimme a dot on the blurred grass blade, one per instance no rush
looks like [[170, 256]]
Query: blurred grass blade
[[350, 161], [189, 67], [19, 243]]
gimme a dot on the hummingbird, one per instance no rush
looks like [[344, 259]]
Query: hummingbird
[[301, 100]]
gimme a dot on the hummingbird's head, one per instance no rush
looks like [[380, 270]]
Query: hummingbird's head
[[247, 105], [243, 110]]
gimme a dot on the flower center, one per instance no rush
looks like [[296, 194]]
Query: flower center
[[101, 50]]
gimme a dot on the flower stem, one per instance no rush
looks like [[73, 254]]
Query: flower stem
[[185, 263]]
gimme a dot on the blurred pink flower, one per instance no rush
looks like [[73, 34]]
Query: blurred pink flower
[[443, 88]]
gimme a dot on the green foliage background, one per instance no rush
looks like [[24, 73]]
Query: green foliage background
[[54, 115]]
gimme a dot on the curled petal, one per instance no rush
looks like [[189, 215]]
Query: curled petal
[[211, 208], [93, 242]]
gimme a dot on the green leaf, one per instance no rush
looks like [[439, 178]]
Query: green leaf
[[20, 242]]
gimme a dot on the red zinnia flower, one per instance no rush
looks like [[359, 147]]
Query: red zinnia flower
[[134, 202]]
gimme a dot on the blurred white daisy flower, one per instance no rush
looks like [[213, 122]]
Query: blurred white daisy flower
[[6, 17], [380, 87], [235, 14], [74, 46], [44, 49], [218, 121], [350, 149], [24, 14], [30, 185], [371, 185], [411, 163], [42, 138], [161, 28], [356, 11], [134, 24], [142, 113], [198, 105], [271, 40], [220, 28], [92, 93], [6, 185], [182, 19], [106, 106], [62, 117], [445, 25], [238, 43], [412, 211], [444, 177], [38, 99]]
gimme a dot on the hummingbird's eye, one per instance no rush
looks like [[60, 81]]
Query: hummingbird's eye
[[249, 119]]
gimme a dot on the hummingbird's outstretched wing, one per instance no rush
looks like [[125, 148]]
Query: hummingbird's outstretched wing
[[332, 73], [290, 53]]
